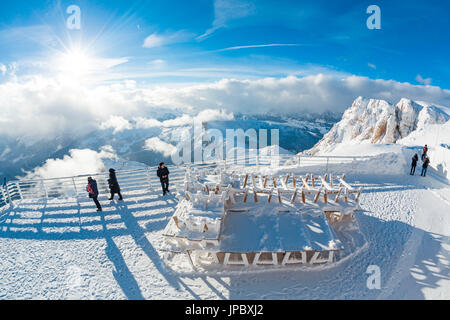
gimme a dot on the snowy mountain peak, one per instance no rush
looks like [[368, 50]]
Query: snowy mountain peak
[[407, 114], [377, 121]]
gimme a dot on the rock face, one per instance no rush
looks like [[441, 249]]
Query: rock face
[[377, 121]]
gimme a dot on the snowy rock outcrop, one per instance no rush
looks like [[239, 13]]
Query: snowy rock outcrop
[[379, 122], [407, 112]]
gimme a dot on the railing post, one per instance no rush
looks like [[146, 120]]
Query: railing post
[[75, 186], [147, 173], [45, 189], [9, 195], [19, 190], [5, 199]]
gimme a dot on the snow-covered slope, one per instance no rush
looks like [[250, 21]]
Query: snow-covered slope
[[377, 121], [437, 137], [371, 127]]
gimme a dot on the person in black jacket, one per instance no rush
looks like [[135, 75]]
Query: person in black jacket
[[114, 185], [163, 174], [425, 164], [415, 158], [92, 189]]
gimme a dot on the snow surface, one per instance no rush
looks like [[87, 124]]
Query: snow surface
[[269, 231], [64, 249], [437, 137]]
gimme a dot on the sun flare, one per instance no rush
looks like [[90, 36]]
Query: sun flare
[[75, 62]]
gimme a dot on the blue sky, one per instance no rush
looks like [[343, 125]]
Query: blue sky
[[195, 41]]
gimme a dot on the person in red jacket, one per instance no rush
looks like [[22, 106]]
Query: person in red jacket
[[424, 152], [92, 189]]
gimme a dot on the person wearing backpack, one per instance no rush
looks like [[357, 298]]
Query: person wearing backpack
[[92, 189], [415, 158], [425, 164], [424, 152], [114, 185], [163, 174]]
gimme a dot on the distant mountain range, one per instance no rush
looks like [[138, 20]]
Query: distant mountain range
[[366, 121], [296, 133]]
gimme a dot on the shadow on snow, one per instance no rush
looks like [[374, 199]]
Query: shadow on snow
[[412, 257]]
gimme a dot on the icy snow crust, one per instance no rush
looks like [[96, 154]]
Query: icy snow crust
[[283, 231]]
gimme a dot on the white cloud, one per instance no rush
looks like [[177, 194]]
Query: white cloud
[[154, 40], [214, 115], [157, 63], [117, 123], [371, 65], [185, 120], [13, 69], [315, 93], [39, 34], [3, 69], [147, 123], [225, 11], [39, 107], [78, 162], [156, 144], [260, 46], [159, 40], [420, 79]]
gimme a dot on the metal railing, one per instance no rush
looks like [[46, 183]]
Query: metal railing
[[139, 179]]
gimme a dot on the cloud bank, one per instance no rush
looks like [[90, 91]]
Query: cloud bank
[[39, 107], [156, 144], [78, 162]]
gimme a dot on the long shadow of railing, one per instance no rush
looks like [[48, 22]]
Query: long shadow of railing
[[63, 219], [122, 273], [77, 219], [141, 240]]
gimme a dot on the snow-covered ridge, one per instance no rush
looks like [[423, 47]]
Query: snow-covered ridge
[[372, 127], [379, 122]]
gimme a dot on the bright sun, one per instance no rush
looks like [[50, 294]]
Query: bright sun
[[75, 63]]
